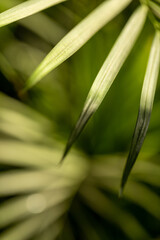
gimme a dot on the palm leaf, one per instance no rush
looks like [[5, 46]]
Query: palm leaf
[[155, 8], [77, 37], [41, 200], [19, 208], [29, 227], [113, 213], [104, 174], [109, 71], [25, 9], [146, 104], [41, 193]]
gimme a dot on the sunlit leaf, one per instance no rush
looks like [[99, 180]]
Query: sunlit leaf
[[11, 183], [22, 207], [41, 200], [28, 227], [77, 37], [11, 123], [146, 104], [25, 9], [109, 70], [35, 155], [21, 111]]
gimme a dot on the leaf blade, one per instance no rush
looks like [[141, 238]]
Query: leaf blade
[[77, 37], [146, 104], [155, 8], [109, 71], [25, 9]]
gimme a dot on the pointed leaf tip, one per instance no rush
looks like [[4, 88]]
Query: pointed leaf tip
[[81, 123], [120, 192], [146, 104], [109, 70]]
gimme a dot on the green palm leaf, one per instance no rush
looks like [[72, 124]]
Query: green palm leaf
[[77, 37], [155, 8], [40, 199], [109, 71], [40, 193], [25, 9], [146, 104], [109, 210]]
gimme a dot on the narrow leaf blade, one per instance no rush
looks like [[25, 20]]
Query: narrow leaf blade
[[109, 70], [25, 9], [77, 37], [146, 104], [155, 8]]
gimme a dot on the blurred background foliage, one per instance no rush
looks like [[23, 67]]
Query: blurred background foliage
[[78, 200]]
